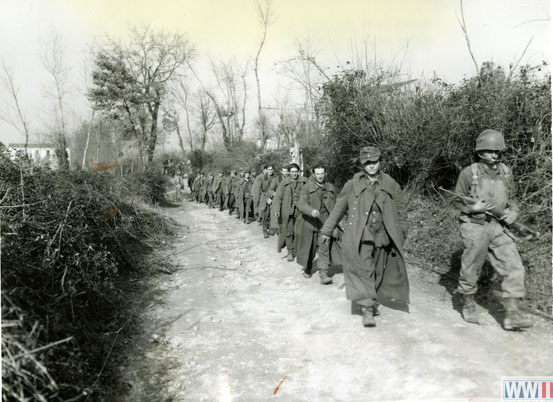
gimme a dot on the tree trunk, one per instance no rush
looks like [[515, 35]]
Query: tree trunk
[[83, 164]]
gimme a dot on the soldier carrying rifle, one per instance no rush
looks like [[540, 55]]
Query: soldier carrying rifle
[[489, 183]]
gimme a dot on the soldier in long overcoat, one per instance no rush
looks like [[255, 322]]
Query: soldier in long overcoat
[[247, 197], [284, 204], [196, 186], [372, 244], [216, 191], [203, 189], [281, 241], [256, 192], [239, 198], [316, 201], [233, 192], [267, 187]]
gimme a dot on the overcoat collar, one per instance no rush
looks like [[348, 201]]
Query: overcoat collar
[[312, 186], [360, 183]]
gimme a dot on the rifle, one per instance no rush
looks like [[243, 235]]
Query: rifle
[[497, 213]]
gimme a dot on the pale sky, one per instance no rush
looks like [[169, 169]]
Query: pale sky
[[499, 31]]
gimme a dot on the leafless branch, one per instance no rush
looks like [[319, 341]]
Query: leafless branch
[[513, 68], [7, 80], [463, 25]]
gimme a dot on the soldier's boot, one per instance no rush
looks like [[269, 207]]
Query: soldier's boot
[[323, 276], [290, 256], [368, 317], [470, 313], [376, 313], [514, 319]]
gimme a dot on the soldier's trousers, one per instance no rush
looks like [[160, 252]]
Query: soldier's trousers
[[219, 200], [290, 229], [266, 218], [248, 209], [230, 203], [489, 240]]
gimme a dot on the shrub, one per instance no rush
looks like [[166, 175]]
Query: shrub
[[63, 254]]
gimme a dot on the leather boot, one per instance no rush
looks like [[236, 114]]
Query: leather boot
[[368, 317], [514, 319], [376, 313], [290, 256], [323, 276], [470, 314]]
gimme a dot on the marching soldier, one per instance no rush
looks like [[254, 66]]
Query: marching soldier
[[316, 201], [284, 204], [372, 243], [217, 192], [239, 197], [490, 183], [267, 187], [247, 197], [256, 192]]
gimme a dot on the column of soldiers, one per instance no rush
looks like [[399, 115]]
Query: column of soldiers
[[363, 228]]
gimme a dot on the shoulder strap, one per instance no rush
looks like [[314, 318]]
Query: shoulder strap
[[474, 183], [505, 171]]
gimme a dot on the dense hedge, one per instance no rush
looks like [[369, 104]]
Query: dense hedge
[[67, 240]]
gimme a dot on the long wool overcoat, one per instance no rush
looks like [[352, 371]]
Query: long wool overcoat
[[308, 226], [392, 283], [284, 202], [267, 188]]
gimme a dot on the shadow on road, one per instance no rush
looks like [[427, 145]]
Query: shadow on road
[[489, 288]]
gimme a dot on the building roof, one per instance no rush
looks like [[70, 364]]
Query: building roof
[[45, 145]]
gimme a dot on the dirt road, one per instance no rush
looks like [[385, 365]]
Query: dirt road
[[237, 322]]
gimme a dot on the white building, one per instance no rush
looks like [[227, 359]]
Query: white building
[[41, 154]]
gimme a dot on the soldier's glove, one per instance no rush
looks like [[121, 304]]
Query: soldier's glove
[[509, 217], [480, 206], [324, 239]]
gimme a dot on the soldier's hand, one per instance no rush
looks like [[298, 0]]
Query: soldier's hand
[[480, 206], [324, 238], [337, 233], [509, 216], [315, 213]]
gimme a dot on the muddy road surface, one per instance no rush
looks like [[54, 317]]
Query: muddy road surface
[[236, 322]]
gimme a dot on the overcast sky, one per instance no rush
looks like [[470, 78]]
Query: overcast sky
[[499, 31]]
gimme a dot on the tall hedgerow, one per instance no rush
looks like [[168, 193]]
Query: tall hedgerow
[[67, 240]]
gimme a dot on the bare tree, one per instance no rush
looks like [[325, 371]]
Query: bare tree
[[207, 112], [266, 18], [52, 52], [231, 82], [132, 80], [13, 106], [308, 76]]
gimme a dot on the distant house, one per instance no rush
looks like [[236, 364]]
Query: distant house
[[43, 154]]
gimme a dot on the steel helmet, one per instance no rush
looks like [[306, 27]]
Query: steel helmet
[[491, 140]]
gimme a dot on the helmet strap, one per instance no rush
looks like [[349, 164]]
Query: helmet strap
[[488, 160]]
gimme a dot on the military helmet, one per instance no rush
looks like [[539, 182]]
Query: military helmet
[[491, 140]]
